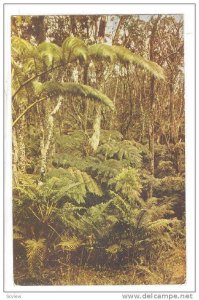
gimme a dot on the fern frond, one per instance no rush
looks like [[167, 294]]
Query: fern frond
[[107, 169], [169, 186], [18, 233], [74, 48], [122, 150], [128, 183], [70, 243], [50, 53], [21, 48], [75, 89], [74, 184], [126, 56], [102, 52], [35, 252], [159, 226]]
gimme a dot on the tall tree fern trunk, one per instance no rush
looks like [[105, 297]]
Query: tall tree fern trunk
[[21, 144], [95, 139], [45, 145]]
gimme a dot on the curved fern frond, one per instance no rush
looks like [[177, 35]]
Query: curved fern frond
[[21, 48], [102, 51], [128, 183], [77, 185], [74, 48], [35, 252], [75, 89], [70, 243], [71, 184], [121, 150], [50, 53], [126, 56]]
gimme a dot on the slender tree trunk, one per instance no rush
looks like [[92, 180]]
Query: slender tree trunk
[[39, 31], [142, 136], [45, 145], [94, 140], [102, 28], [151, 135], [119, 27], [152, 106], [15, 157], [21, 144], [86, 105], [73, 25], [172, 136]]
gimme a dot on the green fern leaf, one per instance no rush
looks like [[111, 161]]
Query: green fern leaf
[[102, 52], [74, 48], [70, 243], [21, 48], [35, 252], [50, 53], [74, 89], [126, 56]]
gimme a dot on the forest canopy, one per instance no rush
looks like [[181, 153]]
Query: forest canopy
[[98, 150]]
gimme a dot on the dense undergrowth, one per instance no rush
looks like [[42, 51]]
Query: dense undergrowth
[[91, 216]]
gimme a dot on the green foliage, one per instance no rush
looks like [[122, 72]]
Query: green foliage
[[110, 135], [126, 56], [21, 49], [107, 169], [169, 185], [50, 53], [101, 52], [72, 184], [128, 183], [93, 208], [36, 253], [124, 150], [74, 48], [165, 168], [70, 243], [53, 88]]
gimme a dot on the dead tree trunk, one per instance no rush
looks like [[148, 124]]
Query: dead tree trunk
[[152, 106]]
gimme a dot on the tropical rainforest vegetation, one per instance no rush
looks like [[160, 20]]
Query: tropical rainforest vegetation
[[98, 150]]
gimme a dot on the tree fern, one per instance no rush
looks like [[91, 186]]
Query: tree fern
[[74, 89], [107, 169], [125, 56], [128, 183], [75, 185]]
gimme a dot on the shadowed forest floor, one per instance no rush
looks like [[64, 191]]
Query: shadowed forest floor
[[172, 271]]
